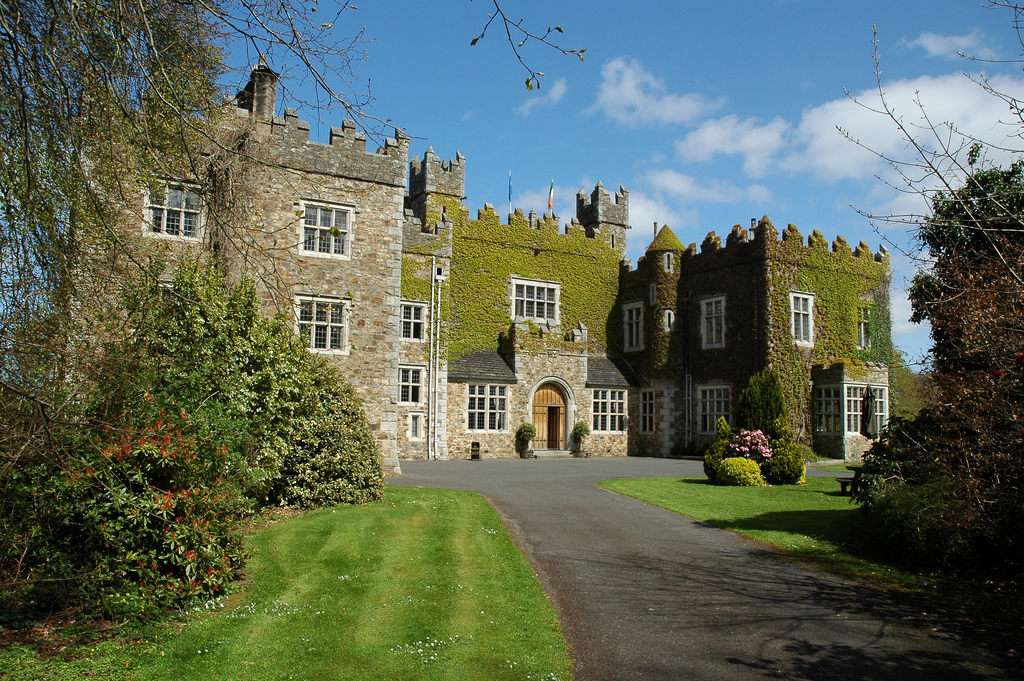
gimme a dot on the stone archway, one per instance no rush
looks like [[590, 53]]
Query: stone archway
[[549, 417]]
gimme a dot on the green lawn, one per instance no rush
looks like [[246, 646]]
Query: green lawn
[[813, 523], [834, 468], [810, 520], [425, 585]]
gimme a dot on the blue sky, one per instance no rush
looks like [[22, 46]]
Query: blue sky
[[710, 114]]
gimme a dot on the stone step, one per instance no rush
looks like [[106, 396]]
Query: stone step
[[552, 454]]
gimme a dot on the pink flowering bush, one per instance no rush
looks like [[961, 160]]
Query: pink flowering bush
[[753, 445]]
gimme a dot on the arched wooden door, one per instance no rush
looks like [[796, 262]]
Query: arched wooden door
[[549, 417]]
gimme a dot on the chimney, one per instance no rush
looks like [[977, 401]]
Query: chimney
[[260, 94]]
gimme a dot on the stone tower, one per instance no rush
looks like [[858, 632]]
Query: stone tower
[[605, 216]]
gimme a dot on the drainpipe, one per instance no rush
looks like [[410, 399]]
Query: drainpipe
[[430, 376], [437, 362]]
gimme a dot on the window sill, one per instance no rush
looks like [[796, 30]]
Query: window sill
[[325, 256]]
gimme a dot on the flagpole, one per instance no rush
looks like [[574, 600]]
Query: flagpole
[[510, 193]]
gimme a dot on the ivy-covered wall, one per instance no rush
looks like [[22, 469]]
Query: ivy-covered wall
[[754, 273], [486, 253], [843, 281]]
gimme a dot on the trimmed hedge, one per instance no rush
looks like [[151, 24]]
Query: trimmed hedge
[[739, 472]]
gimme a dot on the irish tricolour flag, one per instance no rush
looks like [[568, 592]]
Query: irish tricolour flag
[[551, 195]]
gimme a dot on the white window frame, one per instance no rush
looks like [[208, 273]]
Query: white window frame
[[306, 326], [522, 296], [653, 293], [416, 426], [412, 316], [864, 328], [648, 411], [854, 405], [713, 401], [609, 410], [326, 240], [158, 213], [633, 327], [487, 407], [668, 321], [667, 263], [801, 318], [712, 322], [828, 409], [411, 383]]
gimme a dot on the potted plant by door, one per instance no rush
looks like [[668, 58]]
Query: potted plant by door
[[580, 431], [524, 436]]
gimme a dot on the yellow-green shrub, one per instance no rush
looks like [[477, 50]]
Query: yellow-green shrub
[[739, 472]]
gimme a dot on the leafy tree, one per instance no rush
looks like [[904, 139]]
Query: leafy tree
[[99, 102], [948, 487], [945, 488]]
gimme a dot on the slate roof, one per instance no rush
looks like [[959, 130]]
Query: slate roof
[[481, 366], [609, 372]]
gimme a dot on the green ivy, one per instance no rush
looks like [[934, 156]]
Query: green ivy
[[486, 253], [842, 283]]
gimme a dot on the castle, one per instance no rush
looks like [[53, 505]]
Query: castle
[[456, 330]]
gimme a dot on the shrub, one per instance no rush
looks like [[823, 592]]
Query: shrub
[[739, 472], [717, 451], [129, 505], [762, 404], [922, 524], [334, 457], [580, 432], [713, 459], [524, 435], [806, 453], [140, 522], [751, 445], [786, 467]]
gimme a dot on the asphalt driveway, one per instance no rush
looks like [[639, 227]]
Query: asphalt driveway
[[643, 593]]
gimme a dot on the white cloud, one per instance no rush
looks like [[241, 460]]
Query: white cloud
[[645, 210], [549, 97], [973, 44], [814, 145], [729, 135], [690, 188], [629, 94], [821, 150]]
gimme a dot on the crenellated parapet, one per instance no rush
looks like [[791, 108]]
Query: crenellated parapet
[[602, 208], [605, 215], [287, 138], [436, 186], [766, 241], [434, 175], [345, 155]]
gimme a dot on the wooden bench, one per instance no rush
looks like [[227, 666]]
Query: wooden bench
[[849, 486]]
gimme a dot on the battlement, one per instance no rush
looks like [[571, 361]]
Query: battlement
[[549, 221], [603, 208], [765, 237], [345, 155], [433, 175]]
